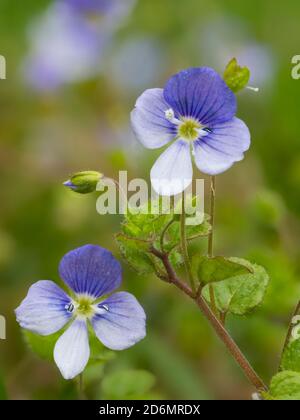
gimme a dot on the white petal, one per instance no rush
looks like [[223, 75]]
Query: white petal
[[172, 173], [72, 350], [149, 121]]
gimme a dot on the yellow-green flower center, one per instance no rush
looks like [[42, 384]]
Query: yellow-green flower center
[[189, 129], [84, 306]]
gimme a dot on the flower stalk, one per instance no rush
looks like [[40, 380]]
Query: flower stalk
[[212, 214], [184, 246], [211, 237]]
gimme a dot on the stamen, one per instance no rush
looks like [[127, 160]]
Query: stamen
[[203, 131], [170, 116], [101, 309], [254, 89], [70, 307]]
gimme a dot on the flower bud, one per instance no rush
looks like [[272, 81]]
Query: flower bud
[[84, 182], [235, 76]]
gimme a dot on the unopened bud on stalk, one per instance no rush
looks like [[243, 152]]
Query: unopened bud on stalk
[[84, 182]]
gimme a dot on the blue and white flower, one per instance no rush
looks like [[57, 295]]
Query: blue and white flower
[[196, 112], [91, 272]]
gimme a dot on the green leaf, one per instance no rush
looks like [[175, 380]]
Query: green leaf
[[291, 357], [148, 223], [240, 294], [175, 258], [235, 76], [135, 252], [285, 386], [209, 270], [127, 384]]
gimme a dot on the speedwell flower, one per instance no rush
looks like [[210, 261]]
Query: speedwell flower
[[196, 110], [118, 320]]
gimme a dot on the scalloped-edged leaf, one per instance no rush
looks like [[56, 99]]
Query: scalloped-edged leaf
[[215, 269], [240, 294], [285, 386], [136, 254], [148, 222]]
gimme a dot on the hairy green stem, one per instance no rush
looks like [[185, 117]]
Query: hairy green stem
[[212, 214], [211, 238], [220, 330], [184, 247], [162, 236]]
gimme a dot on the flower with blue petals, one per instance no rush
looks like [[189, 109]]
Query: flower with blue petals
[[196, 112], [91, 272]]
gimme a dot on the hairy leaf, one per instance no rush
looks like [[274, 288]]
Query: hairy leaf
[[136, 254], [209, 270]]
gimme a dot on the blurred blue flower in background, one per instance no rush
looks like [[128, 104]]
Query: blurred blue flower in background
[[67, 46], [91, 272]]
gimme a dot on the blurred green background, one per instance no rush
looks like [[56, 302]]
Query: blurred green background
[[46, 135]]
